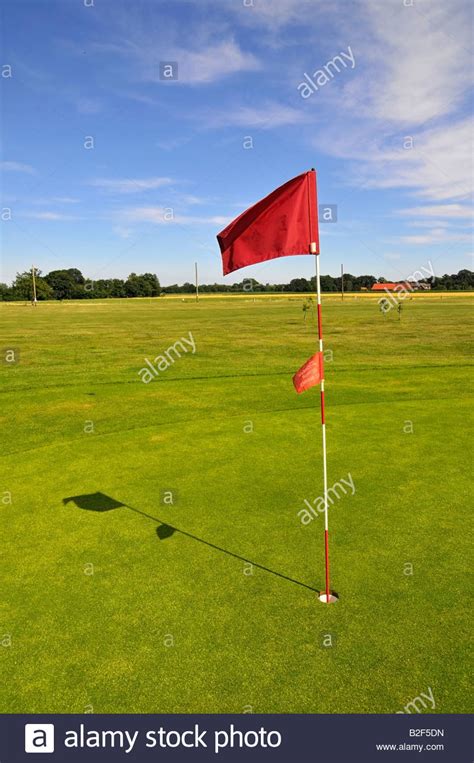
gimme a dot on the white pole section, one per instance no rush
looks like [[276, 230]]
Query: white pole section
[[34, 284]]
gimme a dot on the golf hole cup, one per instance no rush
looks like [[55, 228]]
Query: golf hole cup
[[333, 597]]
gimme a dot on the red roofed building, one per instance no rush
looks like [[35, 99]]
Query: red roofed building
[[401, 285], [383, 286]]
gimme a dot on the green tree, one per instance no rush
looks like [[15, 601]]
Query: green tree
[[76, 275], [298, 285], [132, 286], [366, 281], [154, 285], [146, 285], [5, 293], [117, 287], [66, 284], [23, 286]]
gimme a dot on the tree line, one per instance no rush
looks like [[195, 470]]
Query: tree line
[[71, 284]]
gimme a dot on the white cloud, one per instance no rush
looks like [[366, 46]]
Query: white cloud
[[48, 216], [129, 185], [204, 53], [167, 216], [17, 167], [411, 83], [86, 105], [265, 116], [438, 210], [122, 232], [213, 62], [421, 62], [193, 200], [429, 223], [172, 143], [436, 236], [276, 13], [437, 168], [57, 200]]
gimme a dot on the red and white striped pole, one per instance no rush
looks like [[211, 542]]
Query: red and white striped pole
[[326, 597]]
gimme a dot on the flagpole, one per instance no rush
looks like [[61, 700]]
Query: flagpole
[[33, 269], [327, 596]]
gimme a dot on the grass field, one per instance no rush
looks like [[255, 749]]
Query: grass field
[[112, 610]]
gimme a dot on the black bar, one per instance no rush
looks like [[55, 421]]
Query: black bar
[[255, 739]]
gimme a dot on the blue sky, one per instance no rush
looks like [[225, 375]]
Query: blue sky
[[389, 129]]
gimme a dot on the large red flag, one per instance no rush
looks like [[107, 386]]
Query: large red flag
[[310, 374], [282, 224]]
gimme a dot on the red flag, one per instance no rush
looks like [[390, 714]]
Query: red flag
[[310, 374], [282, 224]]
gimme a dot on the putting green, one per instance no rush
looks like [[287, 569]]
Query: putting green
[[120, 601]]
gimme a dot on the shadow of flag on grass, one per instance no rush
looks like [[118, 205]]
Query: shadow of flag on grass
[[94, 502], [101, 502]]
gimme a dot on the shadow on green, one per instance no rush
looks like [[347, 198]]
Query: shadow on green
[[101, 503]]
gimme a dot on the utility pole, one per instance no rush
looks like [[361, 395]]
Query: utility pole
[[342, 282], [33, 269], [197, 281]]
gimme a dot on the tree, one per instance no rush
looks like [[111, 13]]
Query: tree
[[152, 280], [23, 286], [76, 275], [328, 283], [146, 285], [464, 279], [66, 284], [366, 281], [116, 287], [71, 284], [5, 293], [132, 286], [298, 285]]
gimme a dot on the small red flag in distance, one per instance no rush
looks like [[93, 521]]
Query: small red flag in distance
[[310, 374], [282, 224]]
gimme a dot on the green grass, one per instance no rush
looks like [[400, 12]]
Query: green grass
[[240, 641]]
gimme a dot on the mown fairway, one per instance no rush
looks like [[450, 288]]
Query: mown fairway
[[174, 624]]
